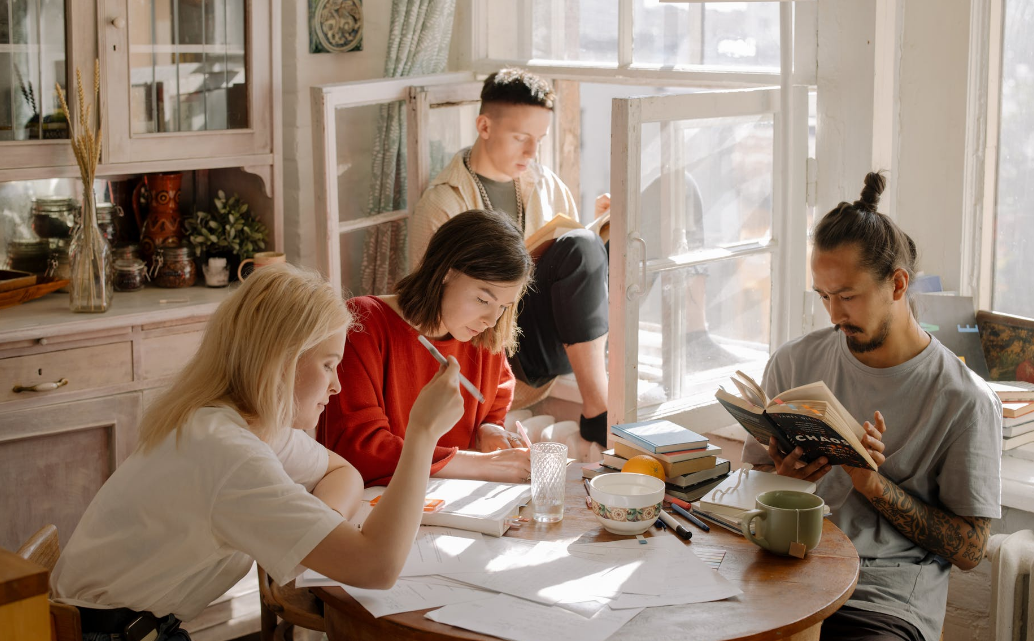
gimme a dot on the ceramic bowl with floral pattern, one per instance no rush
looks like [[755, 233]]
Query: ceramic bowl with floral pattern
[[626, 503]]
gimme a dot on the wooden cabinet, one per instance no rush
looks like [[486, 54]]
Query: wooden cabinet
[[58, 445]]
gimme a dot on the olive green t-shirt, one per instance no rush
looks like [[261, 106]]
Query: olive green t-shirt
[[503, 197]]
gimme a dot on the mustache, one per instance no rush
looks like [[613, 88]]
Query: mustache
[[850, 328]]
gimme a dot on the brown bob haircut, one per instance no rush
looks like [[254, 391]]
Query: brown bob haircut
[[484, 245]]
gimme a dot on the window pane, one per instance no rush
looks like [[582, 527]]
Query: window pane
[[698, 325], [724, 34], [594, 141], [1014, 238], [32, 59], [556, 30], [705, 184], [357, 136], [187, 65], [450, 129]]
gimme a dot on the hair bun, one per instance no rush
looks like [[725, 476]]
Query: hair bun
[[870, 198]]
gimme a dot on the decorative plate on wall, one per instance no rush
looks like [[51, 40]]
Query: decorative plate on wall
[[335, 26]]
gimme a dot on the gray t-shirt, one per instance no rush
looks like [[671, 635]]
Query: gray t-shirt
[[943, 447], [503, 196]]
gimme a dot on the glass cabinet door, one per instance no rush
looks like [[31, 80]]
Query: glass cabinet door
[[33, 59], [186, 78]]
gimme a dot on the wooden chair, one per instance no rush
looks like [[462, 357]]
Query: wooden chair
[[293, 606], [43, 548]]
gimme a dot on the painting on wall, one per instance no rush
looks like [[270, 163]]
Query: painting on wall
[[335, 26]]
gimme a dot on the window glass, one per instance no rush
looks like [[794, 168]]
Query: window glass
[[1014, 216], [723, 34]]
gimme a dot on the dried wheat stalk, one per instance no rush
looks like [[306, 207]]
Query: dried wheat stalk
[[86, 145]]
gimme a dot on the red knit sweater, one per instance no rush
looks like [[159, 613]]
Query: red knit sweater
[[382, 372]]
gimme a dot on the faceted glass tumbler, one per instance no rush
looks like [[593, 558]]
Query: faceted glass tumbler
[[548, 471]]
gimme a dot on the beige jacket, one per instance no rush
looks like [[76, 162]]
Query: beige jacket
[[453, 192]]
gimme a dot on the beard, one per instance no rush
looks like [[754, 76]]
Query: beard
[[861, 347]]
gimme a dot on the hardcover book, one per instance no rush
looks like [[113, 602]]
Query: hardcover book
[[628, 449], [736, 494], [610, 459], [809, 417], [659, 436]]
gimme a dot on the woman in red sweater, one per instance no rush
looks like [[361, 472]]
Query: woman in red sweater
[[463, 297]]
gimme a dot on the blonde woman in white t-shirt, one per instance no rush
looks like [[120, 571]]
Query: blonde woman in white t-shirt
[[220, 478]]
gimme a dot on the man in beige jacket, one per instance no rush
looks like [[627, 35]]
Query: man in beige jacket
[[564, 318]]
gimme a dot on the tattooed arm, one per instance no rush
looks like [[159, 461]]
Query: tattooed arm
[[960, 539]]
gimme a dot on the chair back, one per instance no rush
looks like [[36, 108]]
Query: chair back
[[42, 548], [1012, 559]]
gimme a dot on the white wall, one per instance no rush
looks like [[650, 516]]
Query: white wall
[[302, 70]]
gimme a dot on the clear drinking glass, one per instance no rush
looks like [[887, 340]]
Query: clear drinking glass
[[548, 467]]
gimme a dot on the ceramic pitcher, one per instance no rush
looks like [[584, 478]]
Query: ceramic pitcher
[[163, 225]]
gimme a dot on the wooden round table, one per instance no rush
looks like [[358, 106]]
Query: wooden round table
[[783, 598]]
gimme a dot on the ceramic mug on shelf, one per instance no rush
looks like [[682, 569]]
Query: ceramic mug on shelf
[[261, 259], [785, 522]]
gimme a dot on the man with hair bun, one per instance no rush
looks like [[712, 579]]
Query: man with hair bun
[[935, 429], [563, 318]]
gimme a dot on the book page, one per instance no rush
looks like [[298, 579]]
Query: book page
[[749, 389], [819, 392]]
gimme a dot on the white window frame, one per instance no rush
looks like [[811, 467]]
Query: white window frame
[[326, 100], [798, 53]]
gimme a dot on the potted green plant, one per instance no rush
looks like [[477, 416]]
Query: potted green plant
[[231, 233]]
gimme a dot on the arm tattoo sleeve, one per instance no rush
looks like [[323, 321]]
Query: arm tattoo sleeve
[[961, 540]]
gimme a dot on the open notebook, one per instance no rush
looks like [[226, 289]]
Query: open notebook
[[476, 506]]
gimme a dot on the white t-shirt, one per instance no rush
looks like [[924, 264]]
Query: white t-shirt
[[173, 529]]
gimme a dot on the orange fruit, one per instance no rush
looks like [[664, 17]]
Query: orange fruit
[[644, 464]]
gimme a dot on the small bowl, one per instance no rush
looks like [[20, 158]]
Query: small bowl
[[626, 503]]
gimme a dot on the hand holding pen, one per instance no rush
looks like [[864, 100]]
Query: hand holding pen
[[474, 391]]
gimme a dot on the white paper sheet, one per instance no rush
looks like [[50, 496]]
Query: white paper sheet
[[519, 620], [546, 573], [439, 549], [408, 595], [720, 589], [668, 564]]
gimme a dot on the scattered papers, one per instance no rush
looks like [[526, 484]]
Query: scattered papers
[[414, 594], [720, 589], [519, 620]]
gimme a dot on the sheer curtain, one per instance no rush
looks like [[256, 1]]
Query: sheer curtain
[[418, 44]]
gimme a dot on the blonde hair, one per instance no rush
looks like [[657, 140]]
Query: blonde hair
[[249, 353]]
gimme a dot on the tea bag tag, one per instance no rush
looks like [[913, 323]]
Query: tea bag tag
[[798, 549]]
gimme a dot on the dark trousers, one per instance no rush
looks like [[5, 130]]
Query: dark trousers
[[852, 624], [567, 304]]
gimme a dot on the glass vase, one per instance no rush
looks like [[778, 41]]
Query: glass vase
[[90, 262]]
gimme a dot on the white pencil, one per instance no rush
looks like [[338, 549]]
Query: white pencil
[[474, 391]]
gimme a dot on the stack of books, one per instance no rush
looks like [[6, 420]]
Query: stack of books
[[691, 464], [1017, 416]]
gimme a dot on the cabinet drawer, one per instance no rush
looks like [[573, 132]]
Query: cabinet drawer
[[83, 367], [166, 355]]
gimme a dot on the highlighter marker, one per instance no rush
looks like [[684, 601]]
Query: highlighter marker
[[679, 529], [475, 392]]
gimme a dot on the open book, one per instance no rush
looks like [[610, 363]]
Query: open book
[[475, 506], [559, 225], [809, 417]]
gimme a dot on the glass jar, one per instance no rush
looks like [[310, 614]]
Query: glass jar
[[29, 256], [54, 216], [60, 268], [126, 252], [129, 275], [105, 221], [175, 267]]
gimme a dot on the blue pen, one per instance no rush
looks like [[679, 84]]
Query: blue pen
[[659, 524], [689, 517]]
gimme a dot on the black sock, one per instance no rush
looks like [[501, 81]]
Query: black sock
[[594, 429]]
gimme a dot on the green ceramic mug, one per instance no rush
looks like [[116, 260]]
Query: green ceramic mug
[[785, 522]]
